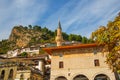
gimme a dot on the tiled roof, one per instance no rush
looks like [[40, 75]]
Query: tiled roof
[[50, 50]]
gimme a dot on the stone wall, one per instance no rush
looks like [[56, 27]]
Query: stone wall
[[77, 63], [7, 72], [25, 74]]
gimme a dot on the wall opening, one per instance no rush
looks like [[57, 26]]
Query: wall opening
[[80, 77], [21, 76], [61, 78], [101, 77], [96, 62], [10, 74], [2, 74], [61, 64]]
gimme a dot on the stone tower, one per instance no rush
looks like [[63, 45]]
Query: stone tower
[[59, 37]]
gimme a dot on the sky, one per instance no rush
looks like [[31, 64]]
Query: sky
[[80, 17]]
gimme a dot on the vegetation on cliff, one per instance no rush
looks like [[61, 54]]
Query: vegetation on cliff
[[25, 36]]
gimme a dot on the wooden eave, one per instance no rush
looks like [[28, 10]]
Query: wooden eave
[[52, 49]]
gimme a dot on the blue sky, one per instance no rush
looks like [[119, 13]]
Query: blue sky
[[76, 16]]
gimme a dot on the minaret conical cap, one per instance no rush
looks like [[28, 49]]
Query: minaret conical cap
[[59, 25]]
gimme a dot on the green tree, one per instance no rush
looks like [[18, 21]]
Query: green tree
[[110, 37], [65, 36], [84, 39], [90, 41], [72, 37], [37, 28], [4, 46], [30, 26], [79, 38], [26, 28], [24, 54], [45, 30], [55, 33]]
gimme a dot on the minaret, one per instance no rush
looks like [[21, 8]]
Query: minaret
[[59, 37]]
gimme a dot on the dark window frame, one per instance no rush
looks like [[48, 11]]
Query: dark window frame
[[96, 62], [61, 64]]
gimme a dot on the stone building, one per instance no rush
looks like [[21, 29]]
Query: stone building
[[36, 75], [25, 75], [30, 50], [7, 71], [78, 62]]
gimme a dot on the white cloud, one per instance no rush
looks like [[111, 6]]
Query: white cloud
[[76, 16], [84, 16], [19, 12]]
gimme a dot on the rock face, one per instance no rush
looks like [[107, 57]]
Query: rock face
[[23, 35]]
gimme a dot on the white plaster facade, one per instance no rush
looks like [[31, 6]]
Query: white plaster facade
[[30, 50]]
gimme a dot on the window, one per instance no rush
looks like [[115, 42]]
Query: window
[[21, 76], [61, 64], [2, 75], [11, 74], [96, 62]]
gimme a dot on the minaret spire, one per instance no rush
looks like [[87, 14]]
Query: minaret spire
[[59, 25], [59, 37]]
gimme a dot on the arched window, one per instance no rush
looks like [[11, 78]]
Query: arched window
[[10, 74], [101, 77], [2, 74], [61, 78], [80, 77]]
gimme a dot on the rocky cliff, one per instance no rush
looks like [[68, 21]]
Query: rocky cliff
[[25, 36]]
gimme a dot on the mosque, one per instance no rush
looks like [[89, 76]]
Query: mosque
[[78, 62]]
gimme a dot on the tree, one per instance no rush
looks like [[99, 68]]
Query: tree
[[84, 40], [30, 26], [24, 54], [65, 36], [79, 38], [26, 28], [45, 30], [90, 41], [4, 46], [72, 37], [37, 28], [110, 37]]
